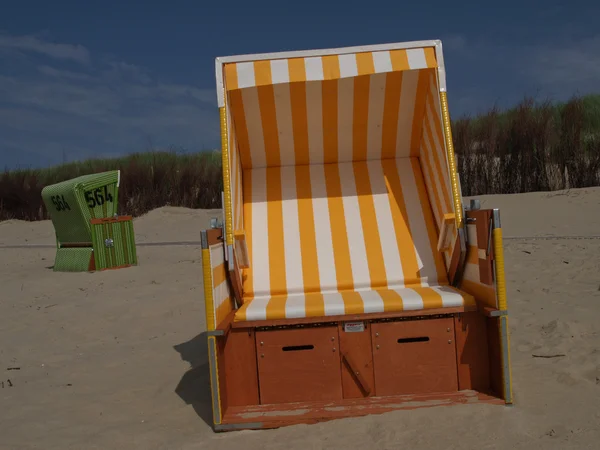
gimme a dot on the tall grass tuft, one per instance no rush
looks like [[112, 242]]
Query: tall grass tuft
[[148, 181], [532, 147]]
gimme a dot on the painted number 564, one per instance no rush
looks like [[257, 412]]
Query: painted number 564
[[97, 197]]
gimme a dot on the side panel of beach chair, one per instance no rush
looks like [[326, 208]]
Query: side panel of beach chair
[[484, 278], [114, 243], [437, 159], [71, 259], [220, 302], [346, 243], [222, 344], [234, 231]]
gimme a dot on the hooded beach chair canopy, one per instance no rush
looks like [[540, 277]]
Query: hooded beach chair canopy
[[345, 280], [89, 235], [337, 181]]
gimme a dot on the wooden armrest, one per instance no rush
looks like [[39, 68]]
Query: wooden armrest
[[491, 312], [241, 249], [485, 250], [110, 220], [446, 228], [235, 276]]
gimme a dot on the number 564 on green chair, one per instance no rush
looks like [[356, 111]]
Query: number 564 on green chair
[[89, 234]]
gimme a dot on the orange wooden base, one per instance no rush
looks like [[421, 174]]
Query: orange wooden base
[[274, 416], [273, 376]]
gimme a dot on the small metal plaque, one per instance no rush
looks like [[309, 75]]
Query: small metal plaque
[[354, 327], [109, 243]]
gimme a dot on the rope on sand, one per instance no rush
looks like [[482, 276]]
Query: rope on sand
[[138, 244], [527, 238], [167, 243]]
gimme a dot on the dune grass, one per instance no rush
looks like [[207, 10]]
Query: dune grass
[[531, 147], [148, 180]]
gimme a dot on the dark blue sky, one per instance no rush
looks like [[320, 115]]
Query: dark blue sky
[[103, 78]]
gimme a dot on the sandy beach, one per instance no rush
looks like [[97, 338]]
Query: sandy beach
[[117, 359]]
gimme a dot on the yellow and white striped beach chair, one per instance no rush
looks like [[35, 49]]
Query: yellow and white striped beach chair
[[348, 278]]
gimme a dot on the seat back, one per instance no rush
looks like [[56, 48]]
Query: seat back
[[335, 169], [334, 227]]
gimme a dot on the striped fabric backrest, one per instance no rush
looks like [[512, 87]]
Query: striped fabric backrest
[[334, 227], [332, 107], [313, 111]]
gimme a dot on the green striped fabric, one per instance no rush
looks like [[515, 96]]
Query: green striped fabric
[[72, 203], [73, 259], [114, 244]]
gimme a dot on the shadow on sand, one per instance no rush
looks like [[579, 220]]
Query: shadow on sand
[[194, 386]]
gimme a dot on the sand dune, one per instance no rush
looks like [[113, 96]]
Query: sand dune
[[118, 359]]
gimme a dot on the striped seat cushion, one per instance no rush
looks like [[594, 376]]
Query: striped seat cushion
[[352, 302], [337, 239], [339, 227]]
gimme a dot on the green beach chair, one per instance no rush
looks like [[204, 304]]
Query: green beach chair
[[89, 234]]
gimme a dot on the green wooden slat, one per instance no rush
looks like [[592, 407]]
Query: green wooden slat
[[72, 259], [122, 252]]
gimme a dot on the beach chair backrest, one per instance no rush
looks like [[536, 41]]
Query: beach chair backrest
[[316, 142], [73, 203]]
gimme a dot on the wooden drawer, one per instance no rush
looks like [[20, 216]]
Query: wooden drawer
[[300, 364], [414, 357]]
